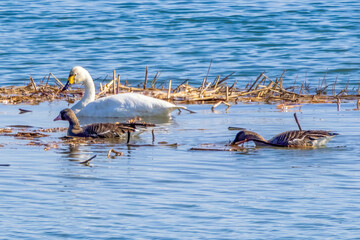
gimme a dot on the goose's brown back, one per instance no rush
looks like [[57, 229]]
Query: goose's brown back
[[297, 138], [104, 130]]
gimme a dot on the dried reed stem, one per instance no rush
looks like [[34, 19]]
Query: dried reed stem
[[227, 93], [118, 84], [114, 79], [33, 83], [169, 90], [57, 80], [207, 74], [146, 76], [217, 81], [48, 79], [257, 79]]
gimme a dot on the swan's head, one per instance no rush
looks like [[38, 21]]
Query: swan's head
[[77, 75]]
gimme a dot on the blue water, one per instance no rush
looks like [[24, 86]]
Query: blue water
[[165, 192], [180, 38], [173, 193]]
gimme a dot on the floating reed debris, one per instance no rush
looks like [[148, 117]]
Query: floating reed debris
[[117, 153], [28, 135], [263, 89], [32, 94]]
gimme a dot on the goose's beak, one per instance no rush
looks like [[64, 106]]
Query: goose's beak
[[58, 118], [239, 142], [71, 80]]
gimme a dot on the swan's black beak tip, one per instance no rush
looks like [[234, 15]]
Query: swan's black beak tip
[[66, 86]]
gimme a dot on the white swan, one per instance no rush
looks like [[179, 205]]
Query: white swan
[[120, 105]]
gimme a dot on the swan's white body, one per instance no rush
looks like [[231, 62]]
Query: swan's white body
[[126, 105], [120, 105]]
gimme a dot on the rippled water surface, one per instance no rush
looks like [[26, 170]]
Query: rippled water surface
[[179, 38], [171, 192], [164, 192]]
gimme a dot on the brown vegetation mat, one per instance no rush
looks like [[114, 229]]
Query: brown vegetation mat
[[216, 92]]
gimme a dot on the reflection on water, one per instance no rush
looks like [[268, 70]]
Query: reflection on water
[[153, 119]]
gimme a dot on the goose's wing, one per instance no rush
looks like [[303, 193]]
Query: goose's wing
[[107, 130], [308, 138]]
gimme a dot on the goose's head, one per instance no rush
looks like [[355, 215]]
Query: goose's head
[[67, 114], [246, 136], [77, 75]]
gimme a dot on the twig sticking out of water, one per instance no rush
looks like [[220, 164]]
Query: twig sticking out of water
[[57, 81], [33, 83], [24, 111], [153, 135], [218, 103], [297, 121], [146, 76], [169, 91], [128, 137], [156, 77], [338, 101], [118, 84], [86, 162], [207, 75]]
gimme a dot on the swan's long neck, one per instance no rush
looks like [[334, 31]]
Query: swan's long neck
[[89, 94]]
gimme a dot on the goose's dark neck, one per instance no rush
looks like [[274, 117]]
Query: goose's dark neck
[[74, 126], [254, 136]]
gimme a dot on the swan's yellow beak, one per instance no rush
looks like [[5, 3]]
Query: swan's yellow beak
[[71, 80]]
